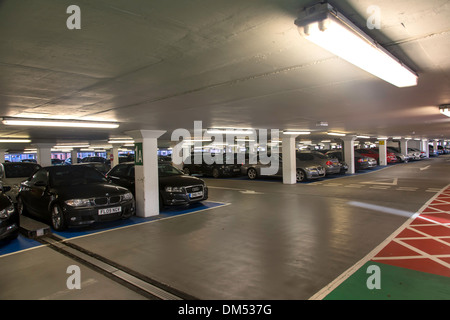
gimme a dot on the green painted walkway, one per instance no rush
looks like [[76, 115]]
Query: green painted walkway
[[396, 284]]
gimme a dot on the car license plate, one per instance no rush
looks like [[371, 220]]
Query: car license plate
[[196, 194], [109, 211]]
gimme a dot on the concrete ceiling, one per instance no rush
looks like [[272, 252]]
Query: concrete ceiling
[[228, 63]]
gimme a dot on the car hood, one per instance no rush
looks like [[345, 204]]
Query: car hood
[[179, 181], [88, 191]]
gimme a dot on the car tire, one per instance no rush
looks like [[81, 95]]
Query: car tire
[[21, 209], [187, 171], [252, 174], [215, 173], [301, 175], [57, 218]]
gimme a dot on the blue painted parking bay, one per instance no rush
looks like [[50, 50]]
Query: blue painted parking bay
[[24, 243]]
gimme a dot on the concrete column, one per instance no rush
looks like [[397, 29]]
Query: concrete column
[[2, 155], [424, 147], [382, 152], [404, 146], [349, 153], [74, 155], [115, 154], [146, 171], [289, 159], [44, 154]]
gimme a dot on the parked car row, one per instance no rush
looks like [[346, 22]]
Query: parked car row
[[81, 194]]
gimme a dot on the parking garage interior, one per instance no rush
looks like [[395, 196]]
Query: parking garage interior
[[151, 82]]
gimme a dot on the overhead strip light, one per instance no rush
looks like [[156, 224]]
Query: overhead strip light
[[329, 29], [121, 141], [445, 109], [59, 123], [297, 132], [15, 140], [336, 134]]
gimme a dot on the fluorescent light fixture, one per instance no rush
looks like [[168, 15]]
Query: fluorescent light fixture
[[71, 146], [329, 29], [396, 138], [363, 137], [15, 140], [445, 109], [230, 131], [336, 134], [297, 132], [59, 123], [121, 141]]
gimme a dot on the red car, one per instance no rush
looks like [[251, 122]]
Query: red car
[[374, 153]]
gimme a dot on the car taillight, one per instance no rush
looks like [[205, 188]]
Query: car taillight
[[360, 160], [329, 163]]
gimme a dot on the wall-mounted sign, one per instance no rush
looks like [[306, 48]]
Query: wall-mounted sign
[[138, 155]]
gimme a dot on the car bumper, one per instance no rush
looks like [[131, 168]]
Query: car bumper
[[174, 199], [9, 227], [87, 216], [333, 170], [315, 174]]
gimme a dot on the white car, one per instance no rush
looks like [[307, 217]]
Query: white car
[[13, 173]]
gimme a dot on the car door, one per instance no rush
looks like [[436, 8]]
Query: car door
[[36, 194]]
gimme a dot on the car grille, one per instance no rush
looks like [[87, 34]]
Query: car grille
[[193, 189], [101, 201]]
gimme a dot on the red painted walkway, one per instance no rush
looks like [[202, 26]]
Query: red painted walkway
[[424, 245]]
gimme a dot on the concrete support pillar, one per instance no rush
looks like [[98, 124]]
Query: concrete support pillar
[[424, 147], [115, 156], [289, 159], [74, 156], [404, 146], [2, 155], [44, 154], [382, 152], [146, 171], [349, 153]]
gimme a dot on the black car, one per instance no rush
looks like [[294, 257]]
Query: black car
[[73, 196], [361, 162], [9, 218], [216, 170], [175, 188]]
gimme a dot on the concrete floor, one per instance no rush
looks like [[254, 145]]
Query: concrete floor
[[272, 241]]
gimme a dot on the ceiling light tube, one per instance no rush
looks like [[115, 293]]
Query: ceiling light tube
[[297, 132], [445, 109], [59, 123], [121, 141], [15, 141], [336, 134], [363, 137], [327, 28]]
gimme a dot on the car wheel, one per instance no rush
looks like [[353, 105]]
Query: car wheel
[[301, 176], [252, 173], [21, 206], [215, 173], [187, 171], [57, 218]]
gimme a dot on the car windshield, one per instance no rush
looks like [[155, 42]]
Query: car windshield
[[20, 170], [74, 175], [165, 170]]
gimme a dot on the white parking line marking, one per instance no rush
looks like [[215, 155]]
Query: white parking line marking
[[424, 168]]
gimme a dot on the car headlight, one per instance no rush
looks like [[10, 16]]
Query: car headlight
[[127, 196], [174, 189], [79, 202], [7, 212]]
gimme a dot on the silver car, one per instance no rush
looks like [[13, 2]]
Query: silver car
[[400, 156], [306, 170], [331, 165]]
